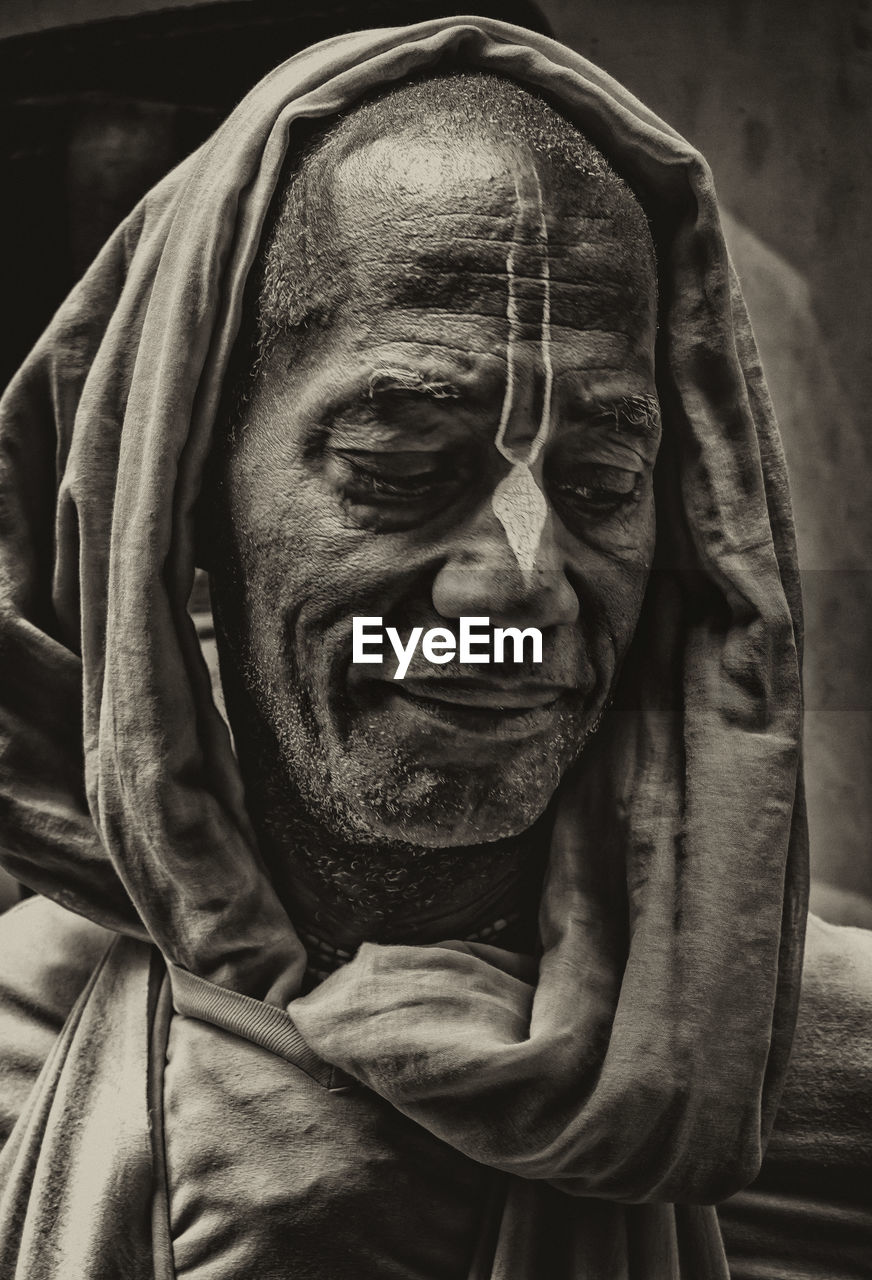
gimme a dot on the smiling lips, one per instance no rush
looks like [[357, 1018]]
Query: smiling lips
[[483, 706], [489, 695]]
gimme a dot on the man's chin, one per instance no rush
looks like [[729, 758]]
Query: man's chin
[[439, 809], [396, 782]]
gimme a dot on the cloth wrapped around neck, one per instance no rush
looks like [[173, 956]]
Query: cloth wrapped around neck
[[645, 1059]]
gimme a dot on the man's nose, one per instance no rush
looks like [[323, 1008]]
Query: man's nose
[[482, 578]]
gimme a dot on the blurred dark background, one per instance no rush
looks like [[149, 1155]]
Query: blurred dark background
[[99, 98], [97, 108]]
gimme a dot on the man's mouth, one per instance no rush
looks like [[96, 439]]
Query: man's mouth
[[494, 695], [517, 709]]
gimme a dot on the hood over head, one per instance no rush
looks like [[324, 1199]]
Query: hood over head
[[645, 1060]]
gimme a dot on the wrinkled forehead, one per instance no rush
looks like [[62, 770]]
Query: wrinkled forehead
[[430, 222]]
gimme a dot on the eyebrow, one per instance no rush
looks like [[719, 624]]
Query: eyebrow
[[638, 415], [635, 415], [389, 381], [385, 384], [358, 405]]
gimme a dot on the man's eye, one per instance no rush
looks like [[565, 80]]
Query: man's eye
[[392, 477], [597, 489]]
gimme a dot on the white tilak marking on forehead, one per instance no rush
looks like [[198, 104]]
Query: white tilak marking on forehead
[[518, 502], [512, 338]]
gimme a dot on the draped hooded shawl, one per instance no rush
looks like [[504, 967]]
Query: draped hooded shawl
[[642, 1063]]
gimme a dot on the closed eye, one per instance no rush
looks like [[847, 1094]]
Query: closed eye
[[402, 475], [595, 489], [390, 490]]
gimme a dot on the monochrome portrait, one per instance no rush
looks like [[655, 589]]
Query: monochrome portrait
[[434, 667]]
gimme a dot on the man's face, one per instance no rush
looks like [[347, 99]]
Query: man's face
[[473, 434]]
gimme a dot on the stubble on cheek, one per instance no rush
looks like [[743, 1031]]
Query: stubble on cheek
[[340, 763], [333, 760], [352, 772]]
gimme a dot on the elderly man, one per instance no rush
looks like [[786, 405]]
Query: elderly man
[[488, 970]]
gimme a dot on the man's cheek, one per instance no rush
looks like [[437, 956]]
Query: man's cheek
[[625, 538], [304, 592], [619, 577], [610, 600]]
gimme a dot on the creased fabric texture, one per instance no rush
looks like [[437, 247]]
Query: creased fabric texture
[[77, 1194], [274, 1188], [645, 1062], [808, 1216]]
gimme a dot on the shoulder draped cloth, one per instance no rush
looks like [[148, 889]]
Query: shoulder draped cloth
[[644, 1063]]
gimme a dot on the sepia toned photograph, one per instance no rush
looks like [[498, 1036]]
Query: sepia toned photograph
[[435, 631]]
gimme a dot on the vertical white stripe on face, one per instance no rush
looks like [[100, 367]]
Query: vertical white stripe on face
[[518, 502], [547, 367], [512, 332], [521, 509]]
